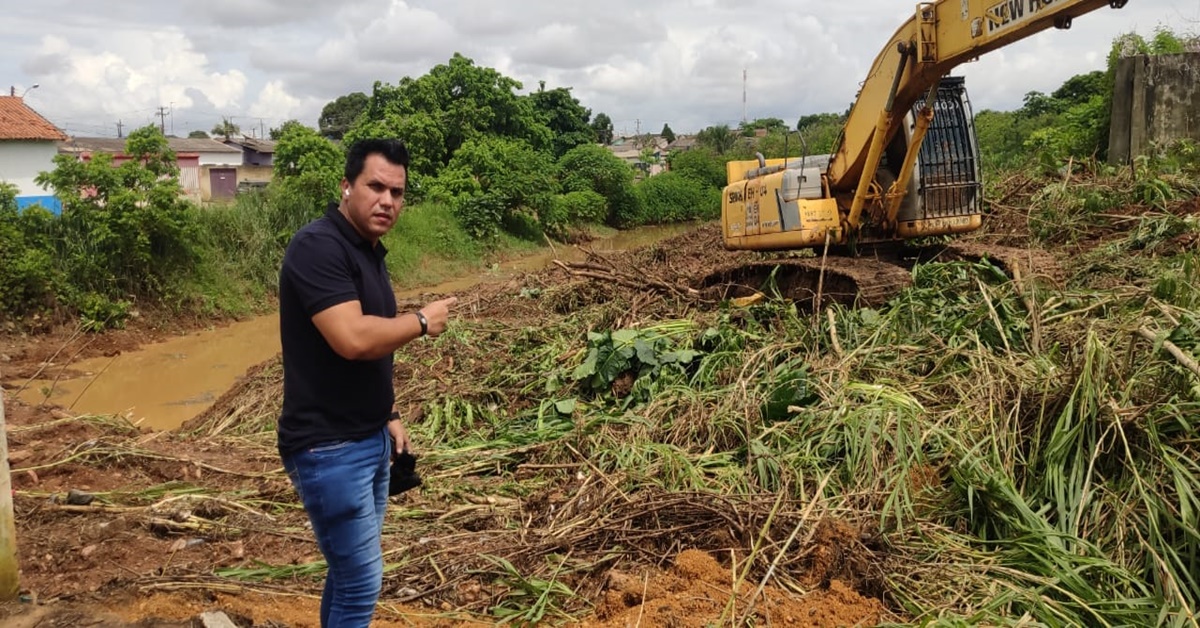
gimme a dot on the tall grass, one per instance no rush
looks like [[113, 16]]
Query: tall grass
[[1009, 481], [428, 246], [245, 242], [1057, 484]]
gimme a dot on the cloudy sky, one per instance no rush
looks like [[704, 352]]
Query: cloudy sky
[[644, 63]]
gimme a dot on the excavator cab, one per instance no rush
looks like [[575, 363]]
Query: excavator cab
[[773, 204], [946, 182]]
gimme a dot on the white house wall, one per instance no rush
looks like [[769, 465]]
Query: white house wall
[[21, 161], [220, 159]]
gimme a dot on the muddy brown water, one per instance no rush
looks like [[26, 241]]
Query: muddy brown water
[[161, 386]]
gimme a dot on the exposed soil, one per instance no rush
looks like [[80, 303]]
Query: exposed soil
[[139, 552]]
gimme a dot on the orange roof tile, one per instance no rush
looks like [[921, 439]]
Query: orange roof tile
[[19, 122]]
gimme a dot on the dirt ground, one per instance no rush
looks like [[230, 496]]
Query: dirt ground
[[108, 534]]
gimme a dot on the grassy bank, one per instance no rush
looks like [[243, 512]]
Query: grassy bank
[[246, 241], [227, 263]]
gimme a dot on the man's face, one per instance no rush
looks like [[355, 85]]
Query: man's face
[[374, 200]]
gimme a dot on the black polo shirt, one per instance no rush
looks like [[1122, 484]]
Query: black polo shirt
[[325, 396]]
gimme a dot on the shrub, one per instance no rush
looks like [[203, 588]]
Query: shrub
[[672, 197], [124, 229], [309, 163], [701, 165], [583, 206], [493, 177], [27, 273], [595, 168]]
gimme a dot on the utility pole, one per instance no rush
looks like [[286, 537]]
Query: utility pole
[[262, 133], [638, 126], [120, 134], [10, 584], [162, 119]]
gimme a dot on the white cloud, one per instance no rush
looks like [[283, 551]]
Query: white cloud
[[275, 102], [129, 73], [673, 61]]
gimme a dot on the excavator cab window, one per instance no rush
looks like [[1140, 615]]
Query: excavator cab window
[[949, 182]]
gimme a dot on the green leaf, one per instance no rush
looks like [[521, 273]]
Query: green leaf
[[646, 352], [624, 336], [565, 406], [588, 367], [681, 356]]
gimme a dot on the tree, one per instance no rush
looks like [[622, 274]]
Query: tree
[[453, 103], [780, 144], [28, 273], [564, 116], [701, 165], [667, 133], [767, 124], [125, 229], [602, 127], [649, 153], [422, 133], [673, 197], [718, 138], [815, 119], [1081, 88], [198, 135], [508, 175], [820, 131], [594, 168], [226, 128], [306, 161], [1038, 104], [339, 115], [277, 132]]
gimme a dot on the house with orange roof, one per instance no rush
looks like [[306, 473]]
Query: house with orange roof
[[28, 144]]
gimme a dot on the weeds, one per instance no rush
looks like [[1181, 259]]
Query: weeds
[[991, 479]]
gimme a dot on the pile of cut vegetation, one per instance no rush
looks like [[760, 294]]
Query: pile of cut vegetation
[[976, 450]]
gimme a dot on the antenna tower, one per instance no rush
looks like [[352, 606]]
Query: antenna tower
[[743, 95]]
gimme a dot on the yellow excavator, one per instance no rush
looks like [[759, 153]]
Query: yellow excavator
[[907, 161]]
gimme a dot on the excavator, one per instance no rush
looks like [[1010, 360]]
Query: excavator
[[906, 165]]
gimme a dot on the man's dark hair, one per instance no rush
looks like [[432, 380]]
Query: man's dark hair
[[392, 150]]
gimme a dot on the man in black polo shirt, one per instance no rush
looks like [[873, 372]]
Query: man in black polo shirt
[[339, 328]]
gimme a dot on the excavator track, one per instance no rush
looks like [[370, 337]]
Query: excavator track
[[1017, 263], [854, 282], [868, 281]]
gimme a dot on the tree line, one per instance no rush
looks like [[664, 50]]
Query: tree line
[[504, 163]]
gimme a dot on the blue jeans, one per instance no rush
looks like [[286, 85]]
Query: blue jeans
[[343, 486]]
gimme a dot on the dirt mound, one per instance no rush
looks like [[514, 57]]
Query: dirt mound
[[699, 591]]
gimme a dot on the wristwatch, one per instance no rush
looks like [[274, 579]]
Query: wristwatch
[[424, 322]]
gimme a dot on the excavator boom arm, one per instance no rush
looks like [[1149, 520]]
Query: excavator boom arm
[[941, 35]]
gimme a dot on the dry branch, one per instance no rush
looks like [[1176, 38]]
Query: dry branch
[[1179, 354], [627, 279]]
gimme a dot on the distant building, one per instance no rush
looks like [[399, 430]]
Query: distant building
[[209, 152], [255, 152], [208, 169], [682, 143], [630, 150], [28, 144]]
